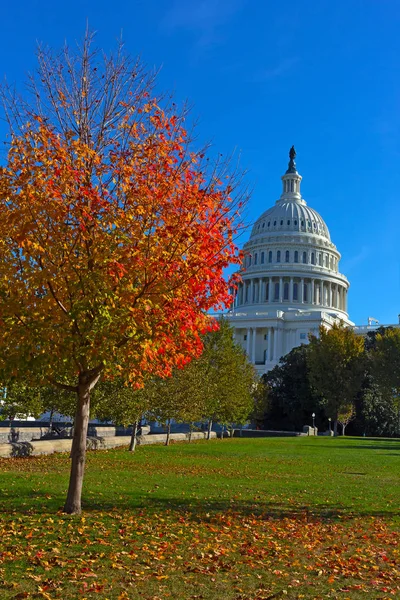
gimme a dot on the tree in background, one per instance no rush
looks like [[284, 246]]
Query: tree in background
[[217, 387], [385, 357], [336, 369], [19, 400], [229, 378], [292, 398], [180, 398], [119, 402], [114, 233]]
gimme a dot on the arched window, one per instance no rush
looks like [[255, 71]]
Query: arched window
[[278, 256], [270, 256], [305, 290], [304, 257], [255, 258], [249, 261], [286, 291], [262, 258], [281, 222], [295, 291], [246, 294], [287, 256], [326, 260], [296, 256], [276, 296], [312, 258], [320, 259]]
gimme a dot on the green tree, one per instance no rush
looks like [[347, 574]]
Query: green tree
[[180, 398], [292, 397], [229, 378], [336, 370], [19, 400], [119, 402], [386, 366]]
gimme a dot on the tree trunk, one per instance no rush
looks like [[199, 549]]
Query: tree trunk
[[51, 419], [190, 432], [78, 450], [168, 432], [343, 429], [132, 445], [209, 426], [222, 432], [335, 423]]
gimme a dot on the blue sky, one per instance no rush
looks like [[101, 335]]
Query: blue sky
[[261, 76]]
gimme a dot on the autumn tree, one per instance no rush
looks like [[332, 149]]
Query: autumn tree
[[114, 233], [336, 369]]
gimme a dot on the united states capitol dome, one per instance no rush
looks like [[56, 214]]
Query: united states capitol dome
[[290, 282], [290, 214]]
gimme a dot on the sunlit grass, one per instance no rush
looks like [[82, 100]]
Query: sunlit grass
[[235, 519]]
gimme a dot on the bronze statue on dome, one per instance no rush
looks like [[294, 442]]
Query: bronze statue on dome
[[292, 164]]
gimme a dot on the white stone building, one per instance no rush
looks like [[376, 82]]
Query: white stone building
[[291, 283]]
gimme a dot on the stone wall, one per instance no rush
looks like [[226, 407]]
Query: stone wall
[[38, 447]]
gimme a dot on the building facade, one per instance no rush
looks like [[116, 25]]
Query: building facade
[[291, 282]]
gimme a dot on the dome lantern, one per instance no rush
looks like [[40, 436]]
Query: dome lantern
[[291, 179]]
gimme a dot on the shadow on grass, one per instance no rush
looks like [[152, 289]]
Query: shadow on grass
[[197, 511], [386, 444], [203, 510]]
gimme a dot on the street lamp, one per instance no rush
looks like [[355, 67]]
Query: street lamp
[[330, 428], [313, 422]]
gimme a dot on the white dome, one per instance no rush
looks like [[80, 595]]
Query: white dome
[[288, 216]]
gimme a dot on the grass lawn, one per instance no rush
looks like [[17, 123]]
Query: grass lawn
[[234, 519]]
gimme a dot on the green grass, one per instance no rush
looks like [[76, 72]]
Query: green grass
[[233, 519]]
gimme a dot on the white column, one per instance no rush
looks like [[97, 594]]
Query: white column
[[248, 342], [251, 291], [253, 346], [276, 337], [280, 290], [262, 290], [291, 290], [312, 291], [269, 341], [272, 342], [302, 291], [330, 294], [271, 290]]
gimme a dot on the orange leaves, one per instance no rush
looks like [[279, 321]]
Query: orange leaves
[[126, 243]]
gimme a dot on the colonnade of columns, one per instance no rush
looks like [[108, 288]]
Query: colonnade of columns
[[272, 343], [300, 290]]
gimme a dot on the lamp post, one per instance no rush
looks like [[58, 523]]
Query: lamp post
[[330, 428], [313, 422]]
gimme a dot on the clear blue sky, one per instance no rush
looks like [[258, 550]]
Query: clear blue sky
[[262, 76]]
